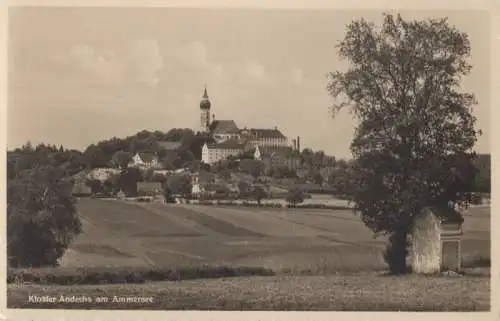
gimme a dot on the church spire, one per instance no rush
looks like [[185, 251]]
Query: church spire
[[205, 102], [205, 112], [205, 95]]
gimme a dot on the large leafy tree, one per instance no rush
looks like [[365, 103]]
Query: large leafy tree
[[94, 157], [342, 181], [127, 181], [412, 146], [122, 159], [111, 185], [295, 196], [41, 217], [180, 185], [252, 167], [95, 185]]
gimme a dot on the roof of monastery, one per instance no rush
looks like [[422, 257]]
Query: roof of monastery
[[224, 126], [275, 150], [265, 133], [228, 144]]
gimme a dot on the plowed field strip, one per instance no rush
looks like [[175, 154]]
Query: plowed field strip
[[260, 222], [214, 223]]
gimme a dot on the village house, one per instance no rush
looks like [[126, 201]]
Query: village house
[[202, 188], [121, 195], [213, 153], [197, 190], [200, 182], [145, 160], [281, 155], [149, 188], [275, 156], [100, 174]]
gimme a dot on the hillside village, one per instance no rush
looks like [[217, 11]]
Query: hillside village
[[218, 160], [230, 162], [227, 140]]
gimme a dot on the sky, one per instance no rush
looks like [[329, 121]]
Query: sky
[[80, 75]]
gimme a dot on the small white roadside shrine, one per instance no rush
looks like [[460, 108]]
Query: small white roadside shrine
[[436, 240]]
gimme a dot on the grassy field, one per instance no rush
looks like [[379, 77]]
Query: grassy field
[[365, 292], [334, 247], [145, 234]]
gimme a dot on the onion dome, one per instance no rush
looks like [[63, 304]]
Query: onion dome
[[205, 102]]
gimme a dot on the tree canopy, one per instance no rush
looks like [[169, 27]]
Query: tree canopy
[[118, 152], [41, 217], [121, 159], [258, 193], [415, 133], [180, 185]]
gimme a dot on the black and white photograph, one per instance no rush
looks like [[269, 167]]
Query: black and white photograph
[[205, 158]]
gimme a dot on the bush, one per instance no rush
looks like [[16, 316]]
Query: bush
[[71, 276], [295, 196], [82, 195], [275, 205], [324, 206]]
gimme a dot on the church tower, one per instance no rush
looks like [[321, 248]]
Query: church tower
[[205, 112]]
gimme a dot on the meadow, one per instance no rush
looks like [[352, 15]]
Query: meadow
[[328, 257], [152, 234]]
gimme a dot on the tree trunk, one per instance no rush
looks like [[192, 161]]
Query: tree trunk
[[397, 251]]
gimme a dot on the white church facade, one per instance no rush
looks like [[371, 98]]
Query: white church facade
[[229, 140]]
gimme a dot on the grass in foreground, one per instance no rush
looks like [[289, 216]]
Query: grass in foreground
[[356, 292], [111, 275]]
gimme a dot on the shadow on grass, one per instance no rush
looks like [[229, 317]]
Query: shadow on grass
[[105, 275], [135, 275]]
